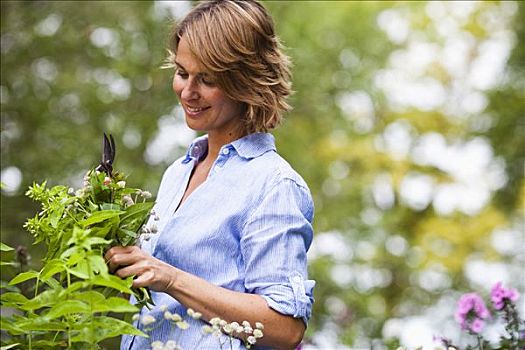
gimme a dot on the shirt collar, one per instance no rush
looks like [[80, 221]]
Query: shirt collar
[[254, 145], [249, 146], [197, 149]]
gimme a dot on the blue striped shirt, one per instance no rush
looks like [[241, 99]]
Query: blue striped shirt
[[247, 228]]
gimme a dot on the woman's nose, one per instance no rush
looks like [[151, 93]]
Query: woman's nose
[[190, 90]]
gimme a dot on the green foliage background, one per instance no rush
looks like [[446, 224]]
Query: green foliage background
[[59, 93]]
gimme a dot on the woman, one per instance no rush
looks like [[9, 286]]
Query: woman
[[235, 218]]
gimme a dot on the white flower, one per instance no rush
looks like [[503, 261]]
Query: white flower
[[215, 321], [207, 329], [172, 317], [222, 323], [157, 345], [248, 330], [259, 325], [145, 194], [251, 340], [121, 184], [192, 313], [147, 320], [246, 324], [170, 345], [234, 325], [227, 328], [182, 325], [127, 200], [107, 180], [257, 333]]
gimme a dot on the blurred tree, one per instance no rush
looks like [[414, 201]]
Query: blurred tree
[[393, 228]]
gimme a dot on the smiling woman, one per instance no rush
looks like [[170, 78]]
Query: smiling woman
[[235, 218]]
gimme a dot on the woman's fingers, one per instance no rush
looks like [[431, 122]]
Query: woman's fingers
[[122, 256]]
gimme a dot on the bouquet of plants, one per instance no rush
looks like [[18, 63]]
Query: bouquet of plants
[[472, 314], [72, 301]]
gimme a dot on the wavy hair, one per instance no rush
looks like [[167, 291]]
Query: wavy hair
[[235, 41]]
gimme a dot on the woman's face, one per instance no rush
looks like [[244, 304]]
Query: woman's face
[[206, 106]]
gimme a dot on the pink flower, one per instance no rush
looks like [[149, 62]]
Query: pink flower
[[477, 325], [107, 180], [471, 312], [500, 296]]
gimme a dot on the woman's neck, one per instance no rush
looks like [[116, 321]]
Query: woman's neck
[[215, 142]]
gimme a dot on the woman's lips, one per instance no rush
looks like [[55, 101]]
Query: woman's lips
[[195, 111]]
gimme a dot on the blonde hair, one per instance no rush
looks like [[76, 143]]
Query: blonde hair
[[235, 41]]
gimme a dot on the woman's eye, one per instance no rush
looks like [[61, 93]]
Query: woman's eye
[[208, 80], [181, 74]]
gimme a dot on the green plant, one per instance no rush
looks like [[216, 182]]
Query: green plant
[[66, 304]]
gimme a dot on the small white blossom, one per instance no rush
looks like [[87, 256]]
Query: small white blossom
[[251, 340], [192, 313], [248, 330], [70, 190], [147, 320], [121, 184], [246, 324], [207, 329], [257, 333], [107, 180], [215, 321], [239, 329], [172, 317], [228, 329], [259, 325], [234, 325], [222, 323], [182, 325], [127, 200], [171, 345], [144, 194], [157, 345]]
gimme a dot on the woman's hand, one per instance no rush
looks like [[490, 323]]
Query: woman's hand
[[148, 271]]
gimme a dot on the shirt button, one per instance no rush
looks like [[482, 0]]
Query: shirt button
[[297, 279], [226, 151]]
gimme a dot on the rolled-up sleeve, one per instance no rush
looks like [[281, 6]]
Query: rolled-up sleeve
[[274, 243]]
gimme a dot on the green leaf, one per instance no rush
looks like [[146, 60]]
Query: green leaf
[[7, 347], [110, 206], [98, 264], [115, 304], [46, 298], [5, 247], [113, 282], [100, 216], [40, 324], [104, 327], [90, 297], [66, 308], [81, 270], [51, 268], [24, 276], [138, 210], [9, 263], [13, 298]]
